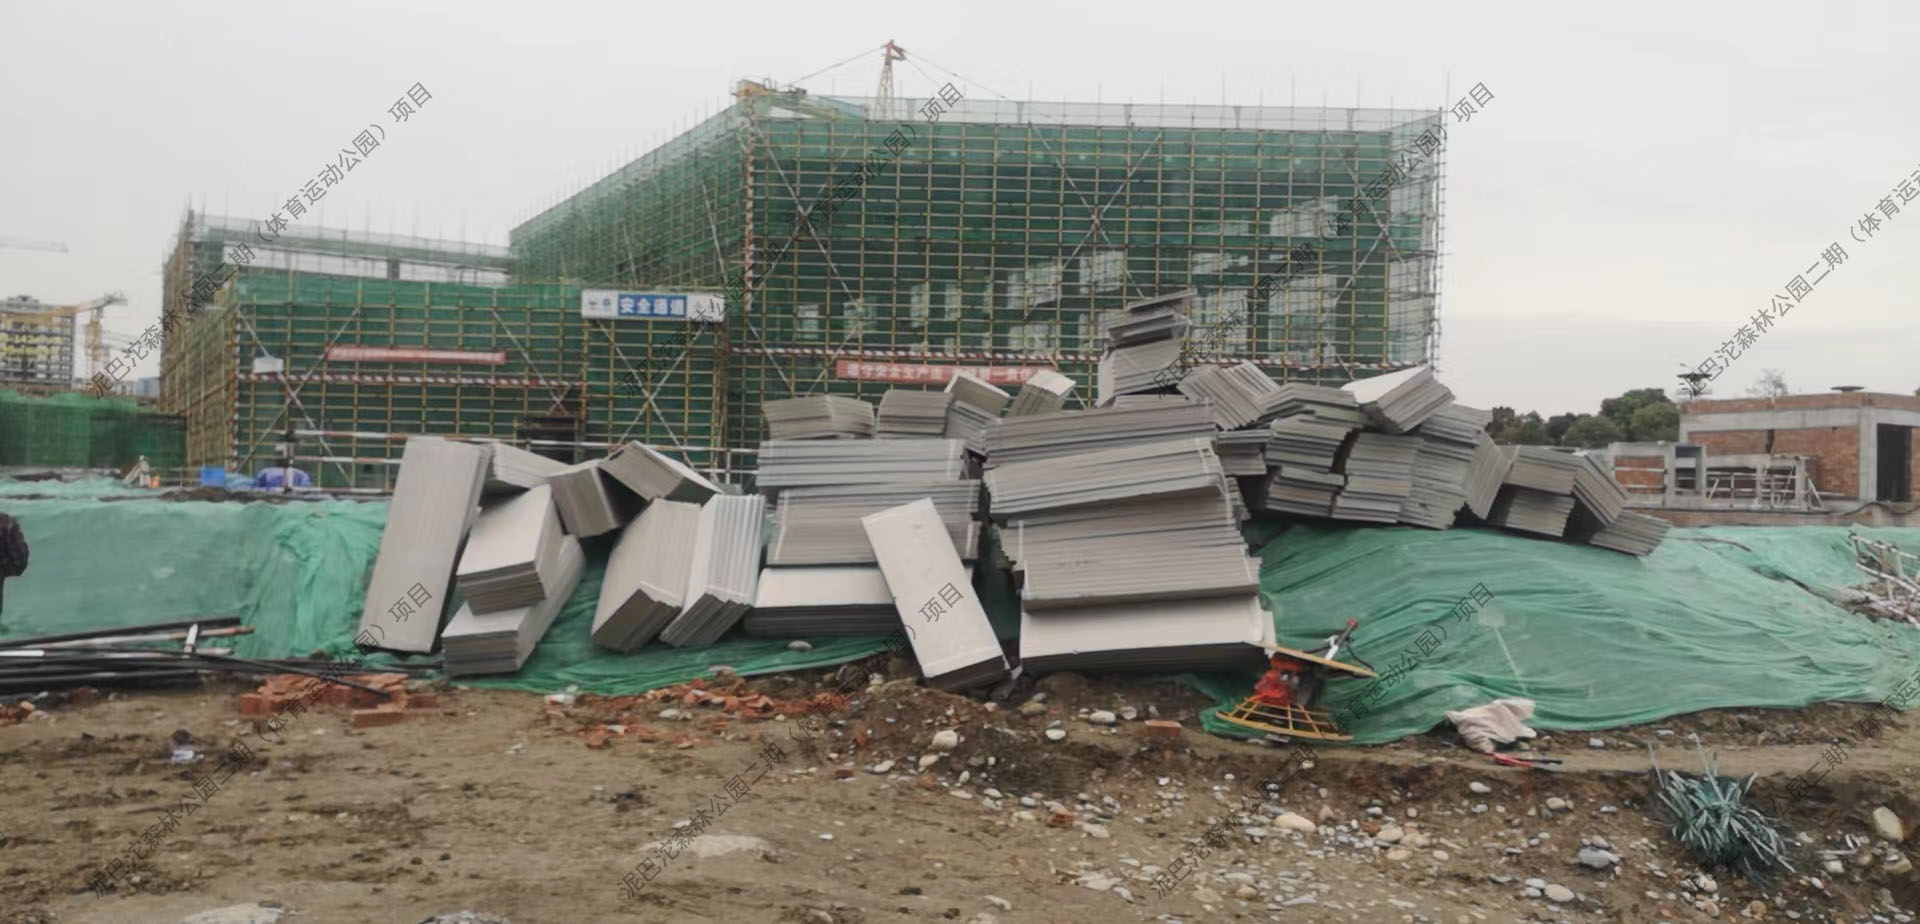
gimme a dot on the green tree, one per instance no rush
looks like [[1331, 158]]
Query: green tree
[[1620, 410], [1557, 425], [1592, 431], [1502, 415], [1656, 422], [1525, 430]]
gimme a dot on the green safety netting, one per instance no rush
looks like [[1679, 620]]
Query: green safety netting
[[1717, 617], [81, 431]]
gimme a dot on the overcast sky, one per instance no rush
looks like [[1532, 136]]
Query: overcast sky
[[1646, 178]]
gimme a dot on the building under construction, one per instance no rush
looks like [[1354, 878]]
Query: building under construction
[[36, 344], [857, 243]]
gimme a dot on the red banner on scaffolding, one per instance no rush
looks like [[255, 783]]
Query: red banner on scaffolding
[[923, 374], [376, 354]]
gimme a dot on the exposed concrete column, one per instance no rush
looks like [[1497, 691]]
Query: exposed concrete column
[[1869, 456]]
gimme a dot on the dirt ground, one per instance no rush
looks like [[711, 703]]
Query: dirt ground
[[506, 804]]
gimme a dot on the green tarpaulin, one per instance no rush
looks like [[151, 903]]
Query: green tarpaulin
[[1716, 617], [1596, 639]]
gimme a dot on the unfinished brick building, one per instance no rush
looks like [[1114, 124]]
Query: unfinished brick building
[[1858, 444]]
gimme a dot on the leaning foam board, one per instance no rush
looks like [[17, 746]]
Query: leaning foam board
[[948, 628], [434, 503]]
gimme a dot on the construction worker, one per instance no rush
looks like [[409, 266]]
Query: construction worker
[[13, 553]]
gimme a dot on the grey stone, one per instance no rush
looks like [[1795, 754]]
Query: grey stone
[[236, 914], [1595, 858], [1887, 824], [1558, 893]]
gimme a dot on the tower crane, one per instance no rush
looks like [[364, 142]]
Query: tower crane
[[889, 53], [22, 244]]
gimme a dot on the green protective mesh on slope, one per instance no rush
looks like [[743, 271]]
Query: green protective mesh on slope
[[1714, 618], [297, 573]]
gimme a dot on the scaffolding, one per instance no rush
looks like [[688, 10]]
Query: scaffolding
[[997, 235], [994, 237], [204, 242]]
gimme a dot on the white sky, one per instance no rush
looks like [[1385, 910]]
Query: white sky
[[1647, 175]]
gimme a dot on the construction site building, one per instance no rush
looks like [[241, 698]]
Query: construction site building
[[36, 350], [995, 236], [1858, 445], [862, 242]]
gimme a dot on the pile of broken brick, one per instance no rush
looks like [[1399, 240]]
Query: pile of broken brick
[[292, 694]]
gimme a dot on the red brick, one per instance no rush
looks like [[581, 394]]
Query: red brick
[[374, 718], [1161, 728], [256, 704], [423, 701]]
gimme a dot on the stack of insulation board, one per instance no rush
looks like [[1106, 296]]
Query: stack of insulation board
[[804, 463], [1531, 511], [1108, 542], [1241, 394], [1325, 403], [1243, 452], [821, 525], [817, 416], [908, 412], [1537, 496], [1044, 392], [656, 476], [1600, 499], [829, 600], [1138, 368], [969, 424], [976, 405], [512, 556], [947, 626], [500, 642], [1055, 535], [725, 569], [1217, 633], [1024, 439], [589, 505], [1306, 441], [969, 389], [434, 502], [1399, 401], [1302, 452], [1633, 533], [511, 469], [646, 579], [1443, 466], [1489, 472], [1172, 469], [1144, 341], [1154, 399], [1542, 469], [824, 600], [1379, 470]]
